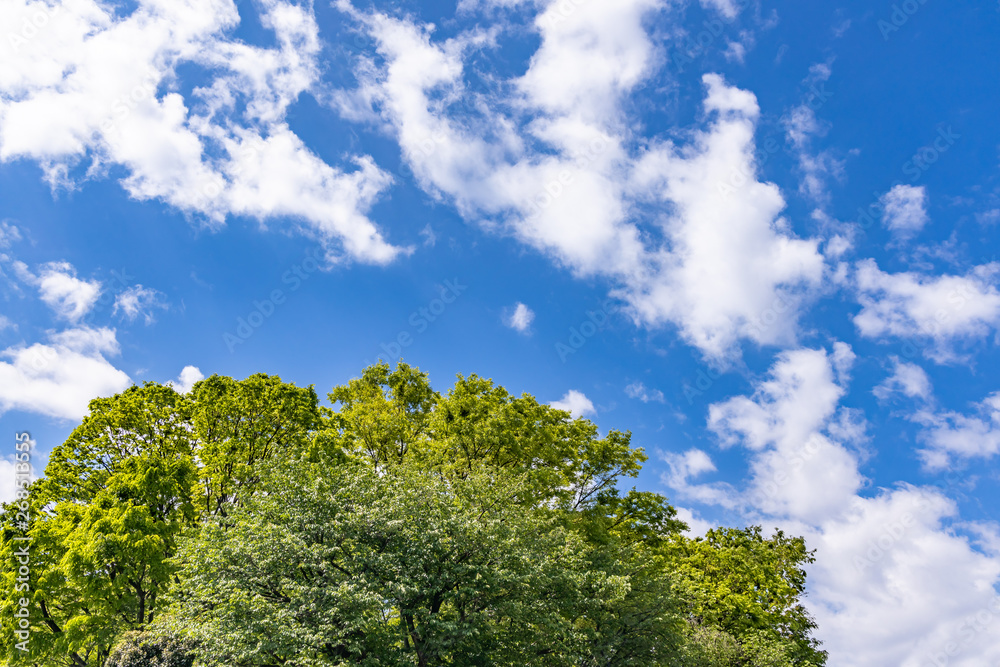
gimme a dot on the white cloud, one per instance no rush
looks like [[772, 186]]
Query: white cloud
[[5, 323], [689, 465], [907, 379], [727, 8], [186, 380], [575, 403], [430, 238], [571, 182], [226, 149], [802, 467], [893, 583], [697, 527], [640, 391], [951, 435], [472, 5], [990, 217], [942, 309], [59, 378], [9, 234], [905, 209], [138, 301], [801, 126], [58, 286], [519, 317], [737, 51]]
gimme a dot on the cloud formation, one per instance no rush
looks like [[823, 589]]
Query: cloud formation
[[576, 403], [905, 209], [939, 311], [519, 318], [59, 378], [551, 161], [225, 149], [68, 296], [894, 582]]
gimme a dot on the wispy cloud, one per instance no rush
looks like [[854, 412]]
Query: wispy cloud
[[639, 391], [519, 317], [138, 301]]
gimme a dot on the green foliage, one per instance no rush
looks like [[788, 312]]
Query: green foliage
[[347, 566], [118, 493], [398, 527], [239, 425], [149, 650], [745, 584], [711, 647], [104, 523]]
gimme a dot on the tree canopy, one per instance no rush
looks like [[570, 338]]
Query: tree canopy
[[244, 524]]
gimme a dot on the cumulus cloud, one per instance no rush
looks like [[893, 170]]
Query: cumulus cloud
[[519, 317], [572, 183], [950, 435], [907, 379], [893, 583], [683, 468], [640, 391], [697, 526], [224, 149], [905, 211], [803, 465], [60, 377], [576, 403], [138, 301], [942, 310], [187, 379], [70, 297], [898, 586]]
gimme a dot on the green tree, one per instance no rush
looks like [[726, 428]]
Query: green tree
[[138, 649], [240, 424], [117, 494], [104, 522], [344, 565], [398, 527], [748, 586]]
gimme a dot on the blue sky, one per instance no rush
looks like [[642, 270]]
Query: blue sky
[[761, 235]]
